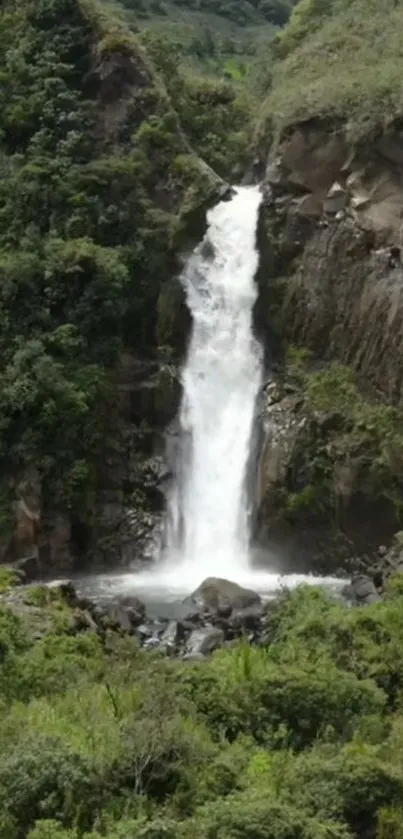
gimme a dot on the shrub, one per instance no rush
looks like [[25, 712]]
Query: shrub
[[8, 579], [257, 816], [50, 829], [43, 778], [245, 691]]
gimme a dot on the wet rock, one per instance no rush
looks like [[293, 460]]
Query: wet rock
[[188, 613], [188, 626], [28, 567], [65, 589], [118, 617], [85, 604], [171, 635], [221, 596], [204, 641], [83, 621], [135, 608], [336, 199], [152, 643], [248, 619], [145, 630], [361, 591], [193, 657]]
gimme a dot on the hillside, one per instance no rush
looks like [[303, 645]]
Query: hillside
[[331, 145], [98, 188], [338, 60], [219, 38]]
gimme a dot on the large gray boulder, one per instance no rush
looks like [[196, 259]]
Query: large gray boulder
[[204, 641], [361, 591], [217, 595]]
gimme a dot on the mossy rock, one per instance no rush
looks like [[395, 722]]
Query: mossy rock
[[173, 317]]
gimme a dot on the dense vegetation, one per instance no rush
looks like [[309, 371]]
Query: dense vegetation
[[300, 738], [97, 182], [217, 38], [214, 114], [348, 433], [339, 59]]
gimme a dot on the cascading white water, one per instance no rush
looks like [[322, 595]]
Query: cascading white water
[[208, 527]]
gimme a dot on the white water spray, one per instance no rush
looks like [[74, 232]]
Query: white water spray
[[208, 515]]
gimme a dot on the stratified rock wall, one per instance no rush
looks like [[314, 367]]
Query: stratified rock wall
[[332, 224]]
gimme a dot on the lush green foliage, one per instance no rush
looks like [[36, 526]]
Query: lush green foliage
[[212, 35], [338, 58], [301, 738], [216, 117], [348, 427], [92, 185]]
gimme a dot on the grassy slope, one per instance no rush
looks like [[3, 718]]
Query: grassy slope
[[340, 59], [213, 39]]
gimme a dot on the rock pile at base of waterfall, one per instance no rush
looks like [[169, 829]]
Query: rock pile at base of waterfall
[[217, 613], [369, 584]]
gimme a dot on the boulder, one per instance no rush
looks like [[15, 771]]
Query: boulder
[[336, 199], [204, 641], [361, 591], [193, 657], [83, 621], [135, 609], [118, 617], [248, 619], [28, 567], [145, 630], [126, 615], [219, 596], [65, 589], [152, 643], [171, 636]]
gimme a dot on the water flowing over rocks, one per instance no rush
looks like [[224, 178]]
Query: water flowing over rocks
[[195, 634]]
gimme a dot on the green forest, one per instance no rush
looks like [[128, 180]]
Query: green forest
[[301, 738]]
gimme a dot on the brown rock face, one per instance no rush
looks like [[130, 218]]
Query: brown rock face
[[332, 236], [317, 503]]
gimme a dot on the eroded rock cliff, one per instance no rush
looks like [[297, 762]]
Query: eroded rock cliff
[[331, 282]]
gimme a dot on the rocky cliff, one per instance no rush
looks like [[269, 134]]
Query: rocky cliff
[[333, 216], [331, 283], [330, 145]]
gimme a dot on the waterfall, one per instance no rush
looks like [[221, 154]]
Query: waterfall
[[207, 516], [208, 509]]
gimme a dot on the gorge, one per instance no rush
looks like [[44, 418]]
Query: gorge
[[201, 419]]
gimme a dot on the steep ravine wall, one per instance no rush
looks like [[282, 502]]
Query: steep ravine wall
[[332, 225], [331, 281]]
